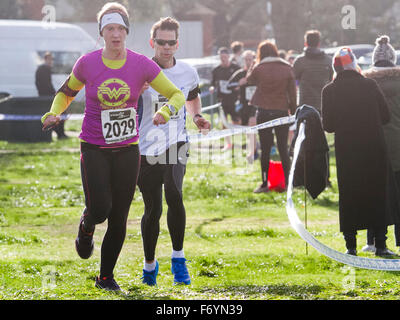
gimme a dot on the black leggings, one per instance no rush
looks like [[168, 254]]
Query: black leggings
[[109, 179], [151, 179], [267, 140]]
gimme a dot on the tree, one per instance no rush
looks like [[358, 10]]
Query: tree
[[10, 9], [229, 17]]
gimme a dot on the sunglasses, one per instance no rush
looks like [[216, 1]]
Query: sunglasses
[[161, 42]]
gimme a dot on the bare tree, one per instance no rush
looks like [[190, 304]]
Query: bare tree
[[10, 9]]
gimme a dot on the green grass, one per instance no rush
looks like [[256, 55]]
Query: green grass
[[240, 245]]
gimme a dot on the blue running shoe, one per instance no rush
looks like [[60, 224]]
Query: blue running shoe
[[150, 277], [180, 271]]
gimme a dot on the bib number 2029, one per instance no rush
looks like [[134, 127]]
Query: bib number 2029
[[118, 125]]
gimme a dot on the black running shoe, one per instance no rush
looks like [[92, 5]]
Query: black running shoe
[[107, 283], [84, 242]]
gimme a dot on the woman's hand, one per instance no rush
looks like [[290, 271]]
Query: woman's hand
[[158, 119], [50, 122]]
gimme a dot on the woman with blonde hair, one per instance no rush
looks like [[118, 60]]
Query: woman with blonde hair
[[113, 78]]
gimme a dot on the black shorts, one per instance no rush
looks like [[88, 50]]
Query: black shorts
[[246, 113], [230, 108]]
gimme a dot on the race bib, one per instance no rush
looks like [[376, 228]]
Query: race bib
[[118, 125], [250, 92], [158, 102], [223, 87]]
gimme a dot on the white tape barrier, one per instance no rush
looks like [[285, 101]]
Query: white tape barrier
[[355, 261], [218, 134], [214, 106], [20, 117], [212, 135]]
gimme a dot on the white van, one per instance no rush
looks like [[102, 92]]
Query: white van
[[23, 44]]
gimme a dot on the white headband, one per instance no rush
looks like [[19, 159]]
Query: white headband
[[110, 18]]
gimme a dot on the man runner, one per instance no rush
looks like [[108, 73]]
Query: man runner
[[164, 153]]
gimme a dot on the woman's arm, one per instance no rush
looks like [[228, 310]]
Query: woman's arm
[[64, 97], [175, 97]]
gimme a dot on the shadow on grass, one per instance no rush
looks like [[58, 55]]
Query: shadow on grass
[[199, 231]]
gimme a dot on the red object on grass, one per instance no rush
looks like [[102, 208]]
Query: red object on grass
[[276, 176]]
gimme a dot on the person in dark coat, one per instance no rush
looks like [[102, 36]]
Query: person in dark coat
[[387, 74], [45, 87], [313, 70], [355, 109]]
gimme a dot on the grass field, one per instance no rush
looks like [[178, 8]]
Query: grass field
[[240, 245]]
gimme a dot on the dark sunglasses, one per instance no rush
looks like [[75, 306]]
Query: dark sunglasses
[[161, 42]]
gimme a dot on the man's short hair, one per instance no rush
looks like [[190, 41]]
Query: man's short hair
[[312, 38], [224, 50], [48, 54], [167, 23], [237, 46]]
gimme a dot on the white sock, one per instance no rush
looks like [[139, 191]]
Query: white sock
[[149, 266], [178, 254]]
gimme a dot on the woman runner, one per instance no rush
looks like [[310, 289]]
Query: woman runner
[[113, 78]]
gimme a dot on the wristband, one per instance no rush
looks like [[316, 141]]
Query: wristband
[[165, 112], [171, 108], [197, 115]]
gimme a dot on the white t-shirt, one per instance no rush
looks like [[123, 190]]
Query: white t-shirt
[[155, 140]]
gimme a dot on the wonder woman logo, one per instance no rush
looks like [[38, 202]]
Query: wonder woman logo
[[113, 93]]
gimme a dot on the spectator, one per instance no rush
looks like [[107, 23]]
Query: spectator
[[313, 69], [354, 108], [220, 76], [45, 88], [247, 112], [275, 97], [291, 56], [282, 54], [387, 75], [237, 51]]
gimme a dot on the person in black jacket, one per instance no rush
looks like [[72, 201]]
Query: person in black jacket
[[313, 70], [247, 112], [45, 87], [219, 83], [355, 109]]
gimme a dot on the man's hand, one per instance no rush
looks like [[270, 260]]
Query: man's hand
[[243, 81], [201, 123]]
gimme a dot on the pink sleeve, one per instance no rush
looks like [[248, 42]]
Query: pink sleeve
[[151, 69], [78, 70]]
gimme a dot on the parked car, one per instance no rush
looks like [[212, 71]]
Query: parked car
[[358, 49], [204, 67], [23, 44]]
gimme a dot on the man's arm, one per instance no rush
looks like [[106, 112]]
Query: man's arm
[[193, 107]]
